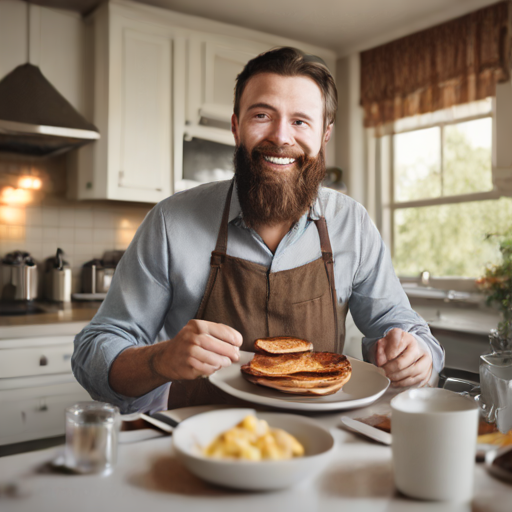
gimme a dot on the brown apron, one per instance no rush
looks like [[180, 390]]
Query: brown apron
[[299, 302]]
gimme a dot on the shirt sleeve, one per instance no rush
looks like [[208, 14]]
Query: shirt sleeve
[[378, 302], [132, 315]]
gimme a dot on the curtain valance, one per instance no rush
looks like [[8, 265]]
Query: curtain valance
[[449, 64]]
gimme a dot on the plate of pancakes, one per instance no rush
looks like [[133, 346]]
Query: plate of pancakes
[[287, 373]]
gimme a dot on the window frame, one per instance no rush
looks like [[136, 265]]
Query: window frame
[[381, 190], [453, 199]]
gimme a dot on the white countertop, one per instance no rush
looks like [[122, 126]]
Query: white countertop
[[148, 478]]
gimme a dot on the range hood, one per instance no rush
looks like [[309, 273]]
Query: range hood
[[35, 119]]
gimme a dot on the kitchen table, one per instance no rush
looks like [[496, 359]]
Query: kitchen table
[[149, 478]]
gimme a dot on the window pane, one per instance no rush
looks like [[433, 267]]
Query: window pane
[[417, 164], [467, 157], [449, 240]]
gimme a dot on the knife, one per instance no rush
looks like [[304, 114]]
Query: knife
[[161, 421], [367, 430]]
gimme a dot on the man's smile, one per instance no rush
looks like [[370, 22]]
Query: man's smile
[[279, 160]]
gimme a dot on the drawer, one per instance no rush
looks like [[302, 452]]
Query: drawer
[[41, 360], [37, 413]]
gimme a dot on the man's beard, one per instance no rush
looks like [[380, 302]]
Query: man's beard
[[270, 197]]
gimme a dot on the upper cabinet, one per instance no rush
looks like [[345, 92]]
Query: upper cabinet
[[157, 78], [131, 67], [214, 64]]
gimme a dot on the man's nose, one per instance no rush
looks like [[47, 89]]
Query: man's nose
[[281, 133]]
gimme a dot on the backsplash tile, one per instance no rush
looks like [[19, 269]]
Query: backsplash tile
[[82, 229], [40, 230]]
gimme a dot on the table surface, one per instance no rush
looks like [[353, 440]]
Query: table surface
[[148, 477]]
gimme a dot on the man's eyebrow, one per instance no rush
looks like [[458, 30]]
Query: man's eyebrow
[[262, 105], [274, 109]]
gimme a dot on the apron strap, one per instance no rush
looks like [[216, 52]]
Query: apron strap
[[221, 246], [325, 245]]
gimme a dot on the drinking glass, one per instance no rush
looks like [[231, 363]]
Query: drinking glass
[[92, 431]]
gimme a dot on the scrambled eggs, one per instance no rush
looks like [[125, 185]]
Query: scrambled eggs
[[253, 439]]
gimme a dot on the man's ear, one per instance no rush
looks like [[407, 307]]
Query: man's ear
[[234, 128], [328, 132]]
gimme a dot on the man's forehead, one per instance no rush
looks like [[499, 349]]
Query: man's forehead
[[268, 88]]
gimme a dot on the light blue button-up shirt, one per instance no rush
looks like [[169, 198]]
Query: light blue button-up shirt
[[159, 283]]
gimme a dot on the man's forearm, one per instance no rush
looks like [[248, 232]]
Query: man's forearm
[[133, 374]]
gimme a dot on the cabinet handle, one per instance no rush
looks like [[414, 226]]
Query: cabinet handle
[[43, 361]]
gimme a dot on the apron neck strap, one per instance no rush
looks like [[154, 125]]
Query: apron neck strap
[[325, 243], [222, 238]]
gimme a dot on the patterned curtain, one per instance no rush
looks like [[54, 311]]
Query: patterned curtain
[[453, 63]]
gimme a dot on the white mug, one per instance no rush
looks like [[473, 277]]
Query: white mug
[[434, 444]]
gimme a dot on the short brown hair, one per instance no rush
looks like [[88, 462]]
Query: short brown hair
[[288, 61]]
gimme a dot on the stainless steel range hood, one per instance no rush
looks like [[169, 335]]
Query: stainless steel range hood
[[35, 119]]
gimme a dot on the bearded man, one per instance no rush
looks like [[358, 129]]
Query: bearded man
[[271, 253]]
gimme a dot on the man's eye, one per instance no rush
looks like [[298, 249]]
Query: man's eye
[[299, 122], [261, 116]]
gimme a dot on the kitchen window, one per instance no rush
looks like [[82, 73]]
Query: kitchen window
[[433, 194], [438, 108]]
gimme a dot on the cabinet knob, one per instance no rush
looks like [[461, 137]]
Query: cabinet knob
[[43, 361]]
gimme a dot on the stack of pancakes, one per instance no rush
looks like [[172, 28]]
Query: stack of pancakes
[[290, 365]]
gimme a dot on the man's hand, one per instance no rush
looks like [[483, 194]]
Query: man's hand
[[199, 349], [405, 362]]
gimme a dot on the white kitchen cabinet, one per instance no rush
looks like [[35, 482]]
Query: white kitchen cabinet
[[214, 63], [37, 412], [157, 77], [36, 382], [132, 65]]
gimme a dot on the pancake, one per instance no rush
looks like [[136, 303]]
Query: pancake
[[307, 373], [282, 345], [287, 364], [300, 385]]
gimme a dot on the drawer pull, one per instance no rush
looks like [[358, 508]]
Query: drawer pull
[[43, 361]]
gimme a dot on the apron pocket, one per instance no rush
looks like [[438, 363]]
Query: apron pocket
[[312, 320]]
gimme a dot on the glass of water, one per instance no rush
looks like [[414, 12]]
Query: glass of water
[[92, 431]]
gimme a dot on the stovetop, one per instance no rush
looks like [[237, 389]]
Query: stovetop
[[19, 307]]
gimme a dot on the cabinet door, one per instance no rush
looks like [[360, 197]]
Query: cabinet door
[[222, 66], [36, 413], [212, 86], [141, 118]]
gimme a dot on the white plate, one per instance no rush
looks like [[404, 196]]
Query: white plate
[[364, 387], [497, 471]]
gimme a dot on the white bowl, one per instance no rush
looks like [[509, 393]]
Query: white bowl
[[197, 432]]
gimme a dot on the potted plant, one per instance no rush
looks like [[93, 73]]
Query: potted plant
[[496, 283], [496, 368]]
